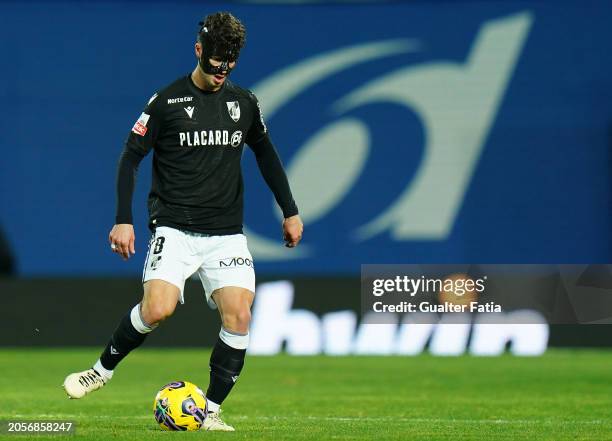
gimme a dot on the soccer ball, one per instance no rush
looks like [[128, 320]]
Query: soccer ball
[[180, 406]]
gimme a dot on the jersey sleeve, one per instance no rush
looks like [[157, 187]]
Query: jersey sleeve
[[140, 141], [258, 129], [272, 170], [144, 133]]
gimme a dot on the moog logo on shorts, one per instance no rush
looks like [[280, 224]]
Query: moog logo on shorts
[[454, 104], [236, 261]]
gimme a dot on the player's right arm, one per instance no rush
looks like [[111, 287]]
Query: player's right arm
[[140, 141]]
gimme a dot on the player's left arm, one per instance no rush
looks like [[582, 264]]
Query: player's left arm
[[273, 172]]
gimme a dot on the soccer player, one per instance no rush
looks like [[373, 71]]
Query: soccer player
[[197, 127]]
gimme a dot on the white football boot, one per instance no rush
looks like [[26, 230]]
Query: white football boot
[[79, 384], [213, 421]]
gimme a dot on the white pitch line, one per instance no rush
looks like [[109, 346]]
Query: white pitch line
[[421, 420], [334, 419]]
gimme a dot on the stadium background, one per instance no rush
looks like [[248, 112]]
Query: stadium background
[[410, 136]]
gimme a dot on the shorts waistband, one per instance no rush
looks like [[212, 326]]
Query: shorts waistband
[[193, 233]]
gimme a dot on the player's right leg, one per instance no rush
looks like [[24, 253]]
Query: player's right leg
[[158, 303], [166, 267], [168, 264]]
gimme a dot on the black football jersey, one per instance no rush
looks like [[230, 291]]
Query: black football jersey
[[197, 138]]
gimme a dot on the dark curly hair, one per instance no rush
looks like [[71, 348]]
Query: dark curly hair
[[224, 28]]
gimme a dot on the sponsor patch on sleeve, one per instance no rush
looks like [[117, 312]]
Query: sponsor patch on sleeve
[[140, 127]]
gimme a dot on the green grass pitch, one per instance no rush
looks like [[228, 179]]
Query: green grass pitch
[[561, 396]]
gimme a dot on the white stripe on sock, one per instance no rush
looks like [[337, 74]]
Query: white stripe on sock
[[138, 322], [106, 374], [234, 340], [211, 406]]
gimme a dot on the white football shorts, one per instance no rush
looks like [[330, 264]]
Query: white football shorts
[[220, 261]]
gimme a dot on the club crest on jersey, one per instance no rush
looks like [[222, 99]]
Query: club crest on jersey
[[233, 107], [140, 126], [189, 111]]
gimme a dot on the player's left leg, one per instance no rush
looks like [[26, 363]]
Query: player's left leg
[[228, 278], [227, 358]]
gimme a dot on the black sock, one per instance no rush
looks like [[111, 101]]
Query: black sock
[[225, 366], [124, 339]]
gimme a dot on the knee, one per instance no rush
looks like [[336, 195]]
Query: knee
[[238, 320], [153, 313], [159, 301]]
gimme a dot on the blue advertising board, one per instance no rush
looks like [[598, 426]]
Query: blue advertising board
[[411, 132]]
